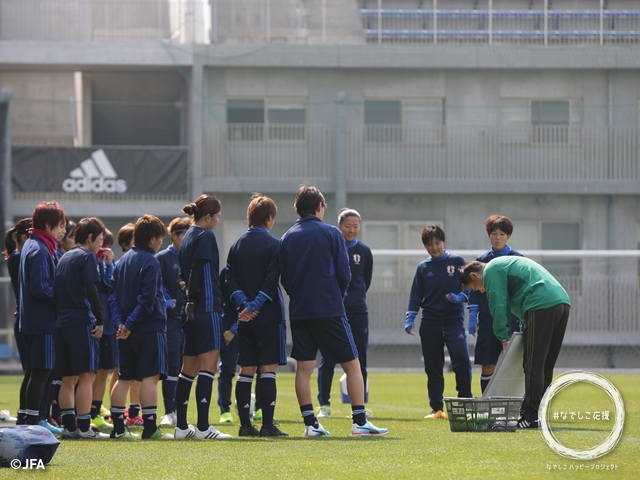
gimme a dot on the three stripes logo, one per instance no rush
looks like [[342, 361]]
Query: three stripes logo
[[95, 175]]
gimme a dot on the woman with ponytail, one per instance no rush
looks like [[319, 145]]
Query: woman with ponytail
[[199, 270], [14, 239]]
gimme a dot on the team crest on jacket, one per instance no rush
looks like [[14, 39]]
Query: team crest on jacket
[[451, 270], [356, 259]]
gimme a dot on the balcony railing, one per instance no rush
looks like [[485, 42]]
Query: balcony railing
[[392, 152]]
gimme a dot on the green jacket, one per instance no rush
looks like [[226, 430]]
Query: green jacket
[[519, 285]]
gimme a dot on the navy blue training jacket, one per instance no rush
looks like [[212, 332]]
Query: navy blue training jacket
[[253, 268], [434, 279], [137, 297], [314, 269], [75, 269], [106, 276], [170, 268], [200, 244], [37, 278], [361, 265]]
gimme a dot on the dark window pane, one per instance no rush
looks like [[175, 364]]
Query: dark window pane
[[245, 111], [561, 236], [550, 113], [287, 115], [382, 112]]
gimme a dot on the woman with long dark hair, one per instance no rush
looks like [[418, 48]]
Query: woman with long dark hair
[[199, 267]]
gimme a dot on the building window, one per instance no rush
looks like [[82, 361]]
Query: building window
[[541, 121], [274, 119], [563, 236], [413, 121]]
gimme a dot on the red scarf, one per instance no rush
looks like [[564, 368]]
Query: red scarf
[[49, 240]]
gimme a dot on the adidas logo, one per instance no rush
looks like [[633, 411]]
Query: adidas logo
[[95, 174], [204, 400], [186, 402], [273, 404], [246, 406], [152, 417]]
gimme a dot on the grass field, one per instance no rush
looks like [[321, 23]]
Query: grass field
[[414, 448]]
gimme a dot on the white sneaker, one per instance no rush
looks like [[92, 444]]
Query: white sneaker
[[91, 434], [324, 411], [311, 431], [188, 432], [169, 420], [5, 416], [66, 434], [367, 429], [211, 433]]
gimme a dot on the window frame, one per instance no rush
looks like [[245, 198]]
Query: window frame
[[574, 130], [439, 141], [266, 126]]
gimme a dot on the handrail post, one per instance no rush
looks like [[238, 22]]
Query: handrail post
[[324, 21], [490, 22], [340, 161], [379, 21], [601, 22], [435, 21], [546, 22], [268, 20]]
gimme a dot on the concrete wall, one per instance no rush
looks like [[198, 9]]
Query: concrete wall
[[42, 111], [472, 97]]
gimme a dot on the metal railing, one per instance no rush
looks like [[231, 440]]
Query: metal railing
[[605, 309], [269, 151], [486, 25], [386, 152], [605, 293]]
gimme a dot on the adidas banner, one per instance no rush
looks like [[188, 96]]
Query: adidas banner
[[116, 170]]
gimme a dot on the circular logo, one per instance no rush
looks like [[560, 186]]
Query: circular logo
[[15, 464], [563, 381]]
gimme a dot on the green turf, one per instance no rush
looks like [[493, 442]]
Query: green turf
[[414, 448]]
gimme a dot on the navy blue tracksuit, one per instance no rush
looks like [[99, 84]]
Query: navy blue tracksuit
[[355, 304], [442, 324]]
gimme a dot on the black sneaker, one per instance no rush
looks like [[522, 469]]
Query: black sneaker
[[248, 432], [272, 432], [524, 423]]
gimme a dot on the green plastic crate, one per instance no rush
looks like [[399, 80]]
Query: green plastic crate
[[493, 414]]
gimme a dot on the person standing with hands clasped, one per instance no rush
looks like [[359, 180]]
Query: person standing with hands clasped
[[521, 286], [252, 278], [139, 312], [437, 289]]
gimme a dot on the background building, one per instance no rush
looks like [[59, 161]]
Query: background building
[[410, 111]]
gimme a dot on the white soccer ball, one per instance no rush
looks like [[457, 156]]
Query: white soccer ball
[[12, 445]]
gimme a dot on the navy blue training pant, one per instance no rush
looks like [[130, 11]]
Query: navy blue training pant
[[433, 337]]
